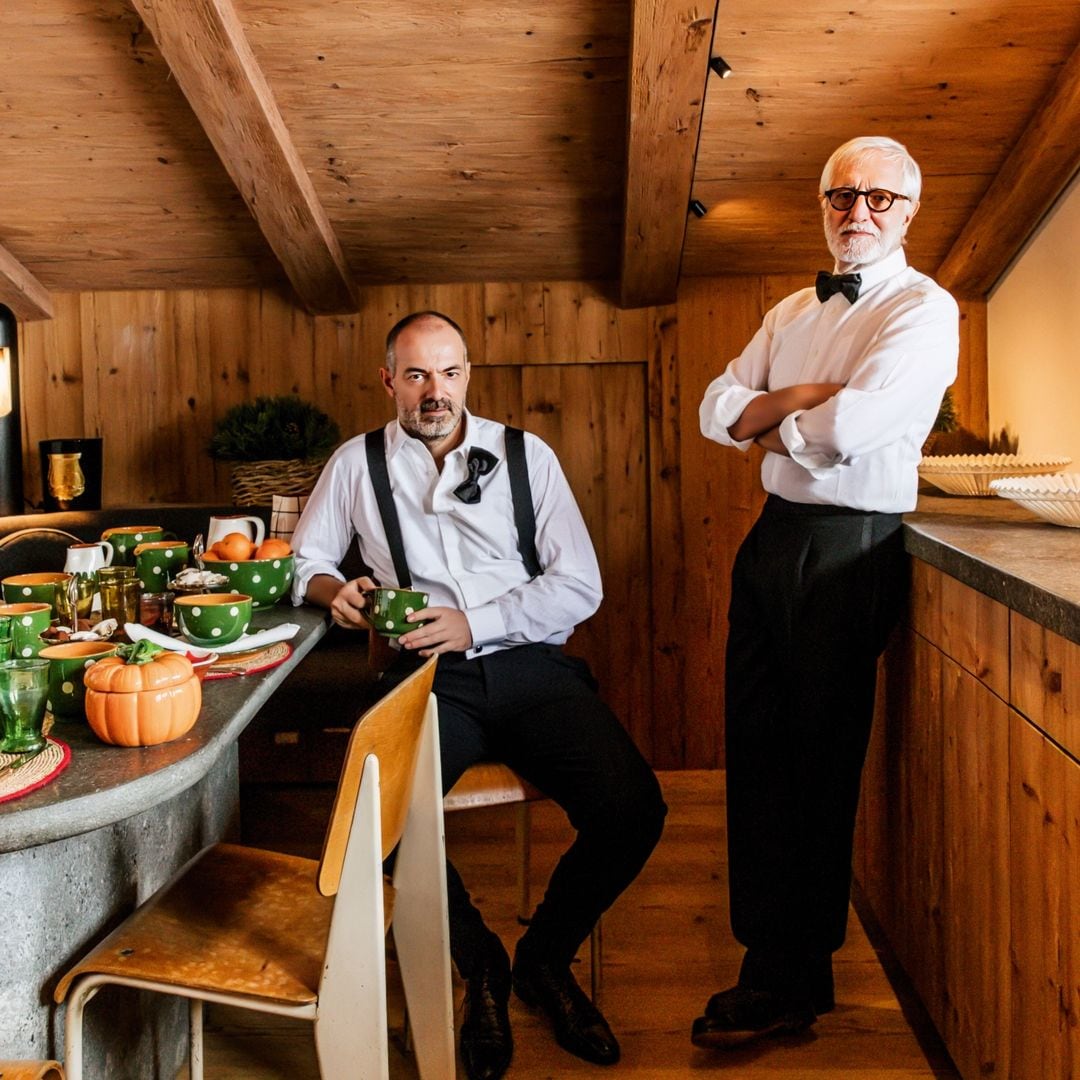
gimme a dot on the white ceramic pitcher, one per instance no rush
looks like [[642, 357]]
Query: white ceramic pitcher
[[223, 524], [88, 558]]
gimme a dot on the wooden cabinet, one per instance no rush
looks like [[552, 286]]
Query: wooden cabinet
[[969, 841]]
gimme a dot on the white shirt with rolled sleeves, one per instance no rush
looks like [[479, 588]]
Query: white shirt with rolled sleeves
[[463, 555], [895, 350]]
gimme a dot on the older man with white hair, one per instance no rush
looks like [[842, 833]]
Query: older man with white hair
[[840, 386]]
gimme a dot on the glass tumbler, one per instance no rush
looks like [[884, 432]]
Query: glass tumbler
[[119, 587], [24, 689]]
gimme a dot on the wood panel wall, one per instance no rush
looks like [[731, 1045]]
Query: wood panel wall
[[614, 391]]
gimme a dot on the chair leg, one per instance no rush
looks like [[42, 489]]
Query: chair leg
[[82, 990], [596, 960], [523, 841], [421, 933], [195, 1033]]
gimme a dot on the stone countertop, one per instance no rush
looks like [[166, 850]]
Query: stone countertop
[[1004, 551], [104, 784]]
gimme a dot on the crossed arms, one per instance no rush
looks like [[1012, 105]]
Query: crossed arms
[[761, 418]]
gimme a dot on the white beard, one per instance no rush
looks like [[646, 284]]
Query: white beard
[[855, 248]]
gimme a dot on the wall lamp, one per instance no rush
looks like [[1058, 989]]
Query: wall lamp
[[698, 208], [720, 67]]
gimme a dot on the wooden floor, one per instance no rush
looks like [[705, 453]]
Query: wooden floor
[[667, 946]]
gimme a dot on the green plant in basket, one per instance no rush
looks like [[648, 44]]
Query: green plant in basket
[[274, 429]]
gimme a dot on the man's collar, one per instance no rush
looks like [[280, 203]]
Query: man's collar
[[874, 273]]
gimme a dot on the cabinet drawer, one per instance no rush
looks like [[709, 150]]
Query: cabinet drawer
[[964, 624], [1045, 681]]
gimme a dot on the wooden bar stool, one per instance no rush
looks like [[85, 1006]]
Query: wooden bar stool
[[489, 783]]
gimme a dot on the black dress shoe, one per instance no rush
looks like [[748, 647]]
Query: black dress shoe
[[579, 1025], [486, 1043], [741, 1015]]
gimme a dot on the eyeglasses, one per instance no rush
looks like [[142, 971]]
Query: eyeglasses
[[877, 199]]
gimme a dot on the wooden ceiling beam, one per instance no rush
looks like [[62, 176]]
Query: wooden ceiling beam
[[1041, 164], [204, 45], [669, 66], [21, 291]]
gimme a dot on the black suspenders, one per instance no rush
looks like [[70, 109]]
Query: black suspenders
[[520, 493]]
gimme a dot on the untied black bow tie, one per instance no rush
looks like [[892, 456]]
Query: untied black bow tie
[[827, 284], [479, 463]]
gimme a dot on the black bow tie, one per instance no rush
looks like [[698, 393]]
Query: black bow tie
[[480, 463], [827, 284]]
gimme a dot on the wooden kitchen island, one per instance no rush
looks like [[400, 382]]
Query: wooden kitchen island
[[969, 845]]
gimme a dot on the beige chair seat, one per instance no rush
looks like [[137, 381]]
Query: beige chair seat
[[237, 921]]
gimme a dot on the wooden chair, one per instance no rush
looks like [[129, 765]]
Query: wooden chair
[[490, 783], [291, 936]]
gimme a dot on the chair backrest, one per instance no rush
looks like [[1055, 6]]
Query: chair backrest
[[30, 550], [390, 730]]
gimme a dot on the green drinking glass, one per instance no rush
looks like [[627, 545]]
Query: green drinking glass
[[24, 689]]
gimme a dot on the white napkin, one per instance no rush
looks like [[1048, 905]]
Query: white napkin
[[136, 631]]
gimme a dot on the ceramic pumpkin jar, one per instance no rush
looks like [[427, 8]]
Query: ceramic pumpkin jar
[[140, 701]]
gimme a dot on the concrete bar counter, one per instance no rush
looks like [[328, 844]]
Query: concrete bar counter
[[81, 852]]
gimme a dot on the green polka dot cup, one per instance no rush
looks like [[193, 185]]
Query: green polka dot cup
[[159, 561], [126, 538], [35, 589], [28, 623], [387, 607], [210, 619], [67, 666]]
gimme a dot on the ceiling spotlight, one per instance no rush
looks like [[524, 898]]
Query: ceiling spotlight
[[698, 208], [720, 67]]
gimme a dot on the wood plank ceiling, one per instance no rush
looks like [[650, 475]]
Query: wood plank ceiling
[[336, 143]]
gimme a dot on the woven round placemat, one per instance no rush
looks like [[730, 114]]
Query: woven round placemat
[[251, 663], [37, 772]]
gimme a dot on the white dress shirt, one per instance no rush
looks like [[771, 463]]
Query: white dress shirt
[[895, 351], [463, 555]]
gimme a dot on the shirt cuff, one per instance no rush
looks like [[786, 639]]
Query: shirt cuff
[[819, 466], [717, 416], [486, 625], [305, 573]]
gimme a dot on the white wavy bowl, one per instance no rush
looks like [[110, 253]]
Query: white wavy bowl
[[1055, 498], [971, 474]]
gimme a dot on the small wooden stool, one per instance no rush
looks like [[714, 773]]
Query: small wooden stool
[[489, 783]]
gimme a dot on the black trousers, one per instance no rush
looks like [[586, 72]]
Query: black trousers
[[536, 709], [815, 592]]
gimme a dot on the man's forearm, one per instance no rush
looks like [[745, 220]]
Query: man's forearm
[[770, 440], [768, 410], [322, 589]]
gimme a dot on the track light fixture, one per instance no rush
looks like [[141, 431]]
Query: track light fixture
[[698, 208], [720, 67]]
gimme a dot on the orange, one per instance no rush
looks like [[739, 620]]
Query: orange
[[273, 548], [234, 547], [211, 556]]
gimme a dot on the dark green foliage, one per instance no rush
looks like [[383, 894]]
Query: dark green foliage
[[946, 417], [273, 429]]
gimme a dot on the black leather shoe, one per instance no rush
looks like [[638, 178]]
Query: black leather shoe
[[741, 1015], [579, 1025], [486, 1043]]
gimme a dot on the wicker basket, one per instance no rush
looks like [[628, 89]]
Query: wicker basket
[[254, 483]]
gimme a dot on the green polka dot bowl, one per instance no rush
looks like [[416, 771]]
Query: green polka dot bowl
[[266, 581], [211, 619]]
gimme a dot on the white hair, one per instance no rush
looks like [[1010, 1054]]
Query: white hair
[[856, 152]]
